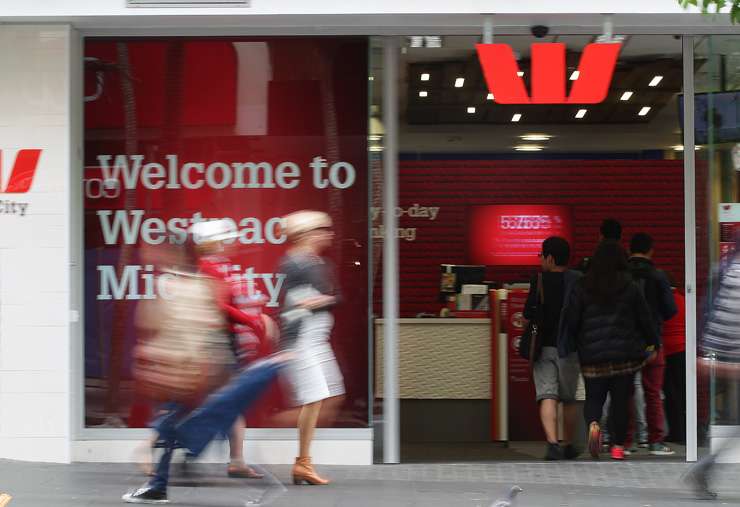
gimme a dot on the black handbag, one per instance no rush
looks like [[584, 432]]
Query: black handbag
[[530, 345]]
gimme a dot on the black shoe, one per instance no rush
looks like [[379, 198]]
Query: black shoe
[[570, 452], [146, 494], [698, 480], [554, 452]]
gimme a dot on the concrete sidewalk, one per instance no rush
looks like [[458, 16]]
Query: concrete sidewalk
[[466, 485]]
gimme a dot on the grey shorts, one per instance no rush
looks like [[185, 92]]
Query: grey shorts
[[556, 378]]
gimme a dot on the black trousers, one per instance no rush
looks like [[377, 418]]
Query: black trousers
[[619, 389], [674, 389]]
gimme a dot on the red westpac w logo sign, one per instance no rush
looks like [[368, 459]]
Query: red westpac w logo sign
[[549, 73], [21, 173]]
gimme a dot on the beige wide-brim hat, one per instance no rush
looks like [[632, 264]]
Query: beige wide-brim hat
[[212, 230], [305, 221]]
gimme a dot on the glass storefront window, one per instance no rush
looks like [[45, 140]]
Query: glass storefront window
[[181, 130], [717, 132]]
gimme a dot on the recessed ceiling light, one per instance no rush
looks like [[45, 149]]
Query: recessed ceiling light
[[536, 137], [656, 81], [416, 41], [516, 117], [581, 113], [626, 96], [679, 147], [520, 73], [433, 41], [425, 76], [576, 74], [423, 93], [459, 82], [489, 96], [644, 111], [471, 110], [528, 147], [371, 78]]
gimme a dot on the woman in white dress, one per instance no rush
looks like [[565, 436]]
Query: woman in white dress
[[309, 295]]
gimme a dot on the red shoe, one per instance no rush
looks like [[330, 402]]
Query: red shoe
[[594, 439], [617, 452]]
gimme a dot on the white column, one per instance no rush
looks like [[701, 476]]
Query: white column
[[391, 407], [35, 295], [689, 185]]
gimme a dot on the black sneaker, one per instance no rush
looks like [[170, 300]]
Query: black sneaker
[[697, 479], [554, 452], [146, 494], [570, 452]]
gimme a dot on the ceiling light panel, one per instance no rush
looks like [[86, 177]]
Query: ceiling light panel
[[536, 137], [581, 113], [644, 111], [425, 76], [656, 81], [516, 117], [459, 82], [626, 96], [528, 147]]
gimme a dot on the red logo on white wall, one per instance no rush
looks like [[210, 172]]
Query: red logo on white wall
[[22, 172], [504, 80]]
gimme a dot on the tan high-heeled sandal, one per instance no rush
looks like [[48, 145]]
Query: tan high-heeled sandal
[[303, 471]]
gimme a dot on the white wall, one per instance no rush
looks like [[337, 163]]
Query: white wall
[[35, 294], [118, 7]]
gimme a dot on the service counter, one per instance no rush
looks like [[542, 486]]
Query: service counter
[[440, 358], [449, 368]]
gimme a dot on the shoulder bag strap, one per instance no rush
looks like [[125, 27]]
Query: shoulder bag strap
[[540, 289]]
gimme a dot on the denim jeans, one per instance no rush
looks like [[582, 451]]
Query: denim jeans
[[195, 430]]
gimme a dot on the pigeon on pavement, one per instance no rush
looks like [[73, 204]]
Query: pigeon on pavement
[[510, 500]]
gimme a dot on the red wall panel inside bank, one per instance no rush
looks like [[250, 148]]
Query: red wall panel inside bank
[[644, 195]]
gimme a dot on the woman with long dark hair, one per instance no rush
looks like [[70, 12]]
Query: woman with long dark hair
[[610, 326]]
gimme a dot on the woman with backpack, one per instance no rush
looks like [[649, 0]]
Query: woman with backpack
[[609, 325]]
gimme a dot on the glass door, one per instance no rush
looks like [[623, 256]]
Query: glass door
[[717, 139]]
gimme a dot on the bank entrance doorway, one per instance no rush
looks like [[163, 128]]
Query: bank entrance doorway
[[490, 166]]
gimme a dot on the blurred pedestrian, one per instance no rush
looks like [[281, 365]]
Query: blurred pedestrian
[[309, 295], [189, 356], [556, 370], [720, 355], [609, 324], [246, 328]]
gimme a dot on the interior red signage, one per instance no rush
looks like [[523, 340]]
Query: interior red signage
[[502, 73], [512, 235]]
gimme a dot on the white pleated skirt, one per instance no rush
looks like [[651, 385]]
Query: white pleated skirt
[[314, 373]]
